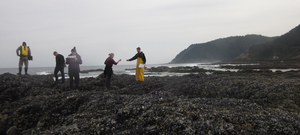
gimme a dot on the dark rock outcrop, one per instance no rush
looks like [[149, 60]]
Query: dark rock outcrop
[[191, 104]]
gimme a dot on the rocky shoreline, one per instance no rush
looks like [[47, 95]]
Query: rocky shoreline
[[190, 104]]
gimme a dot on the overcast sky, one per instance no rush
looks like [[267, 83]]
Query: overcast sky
[[162, 28]]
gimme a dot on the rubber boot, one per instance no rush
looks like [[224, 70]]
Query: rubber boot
[[20, 70], [26, 69]]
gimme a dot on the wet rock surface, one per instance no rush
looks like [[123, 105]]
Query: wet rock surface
[[190, 104]]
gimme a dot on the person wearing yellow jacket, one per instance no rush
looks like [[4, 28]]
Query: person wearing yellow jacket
[[25, 54], [141, 59]]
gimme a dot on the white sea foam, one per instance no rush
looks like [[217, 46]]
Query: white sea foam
[[284, 70], [43, 73]]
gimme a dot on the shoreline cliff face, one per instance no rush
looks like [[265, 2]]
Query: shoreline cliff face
[[191, 104]]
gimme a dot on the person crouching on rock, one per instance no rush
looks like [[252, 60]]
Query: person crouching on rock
[[109, 62], [74, 59], [140, 64], [60, 66]]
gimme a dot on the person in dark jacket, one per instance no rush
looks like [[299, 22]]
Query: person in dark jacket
[[60, 66], [109, 62], [140, 64], [24, 53], [74, 59]]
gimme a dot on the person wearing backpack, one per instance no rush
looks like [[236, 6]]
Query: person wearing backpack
[[25, 54]]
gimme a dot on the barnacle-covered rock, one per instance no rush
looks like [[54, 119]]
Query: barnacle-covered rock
[[191, 104]]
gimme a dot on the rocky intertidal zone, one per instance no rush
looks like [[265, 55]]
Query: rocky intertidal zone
[[190, 104]]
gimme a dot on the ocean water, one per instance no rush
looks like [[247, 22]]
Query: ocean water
[[117, 69], [127, 69], [50, 70]]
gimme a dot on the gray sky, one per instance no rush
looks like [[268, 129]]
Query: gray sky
[[162, 28]]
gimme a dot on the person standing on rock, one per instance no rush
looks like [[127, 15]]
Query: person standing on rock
[[140, 64], [74, 59], [25, 54], [60, 66], [109, 62]]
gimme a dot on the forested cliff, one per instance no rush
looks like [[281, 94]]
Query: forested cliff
[[220, 49], [285, 47]]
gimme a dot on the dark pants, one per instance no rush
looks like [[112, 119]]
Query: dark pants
[[62, 72], [108, 73], [74, 73], [23, 59]]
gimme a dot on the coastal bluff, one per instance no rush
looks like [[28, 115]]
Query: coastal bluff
[[189, 104]]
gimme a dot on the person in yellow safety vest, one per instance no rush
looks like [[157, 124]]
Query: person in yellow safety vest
[[24, 52], [140, 64]]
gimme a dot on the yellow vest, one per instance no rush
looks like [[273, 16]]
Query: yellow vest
[[24, 52]]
